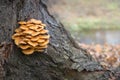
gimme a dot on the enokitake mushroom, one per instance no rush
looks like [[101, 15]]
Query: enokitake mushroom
[[31, 36]]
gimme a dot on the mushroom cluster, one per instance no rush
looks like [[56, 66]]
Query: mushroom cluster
[[31, 36]]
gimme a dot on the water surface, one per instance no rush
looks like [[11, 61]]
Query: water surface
[[98, 37]]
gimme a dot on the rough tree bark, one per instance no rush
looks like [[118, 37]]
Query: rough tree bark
[[62, 60]]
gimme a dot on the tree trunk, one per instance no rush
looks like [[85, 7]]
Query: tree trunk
[[62, 60]]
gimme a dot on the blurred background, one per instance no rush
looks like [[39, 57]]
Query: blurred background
[[89, 21]]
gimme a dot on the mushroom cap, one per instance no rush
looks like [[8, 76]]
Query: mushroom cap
[[44, 43], [24, 46], [22, 22], [28, 36], [22, 42], [28, 51], [34, 27], [18, 30], [39, 29], [40, 40], [28, 25], [26, 39], [34, 21], [32, 43], [40, 26], [31, 36], [40, 50], [43, 31], [44, 36], [35, 38], [41, 47], [17, 40], [43, 24], [30, 32], [35, 33], [23, 27], [16, 35], [13, 36]]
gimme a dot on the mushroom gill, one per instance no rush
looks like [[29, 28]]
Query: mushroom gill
[[31, 36]]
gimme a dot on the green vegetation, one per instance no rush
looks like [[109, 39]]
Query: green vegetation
[[78, 15], [92, 24], [113, 6]]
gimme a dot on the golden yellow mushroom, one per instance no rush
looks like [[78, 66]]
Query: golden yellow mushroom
[[44, 43], [32, 43], [28, 51], [34, 21], [22, 22], [24, 46], [31, 36]]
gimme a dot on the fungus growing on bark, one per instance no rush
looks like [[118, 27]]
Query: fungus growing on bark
[[31, 36]]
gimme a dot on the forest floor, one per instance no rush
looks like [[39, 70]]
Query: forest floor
[[108, 55]]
